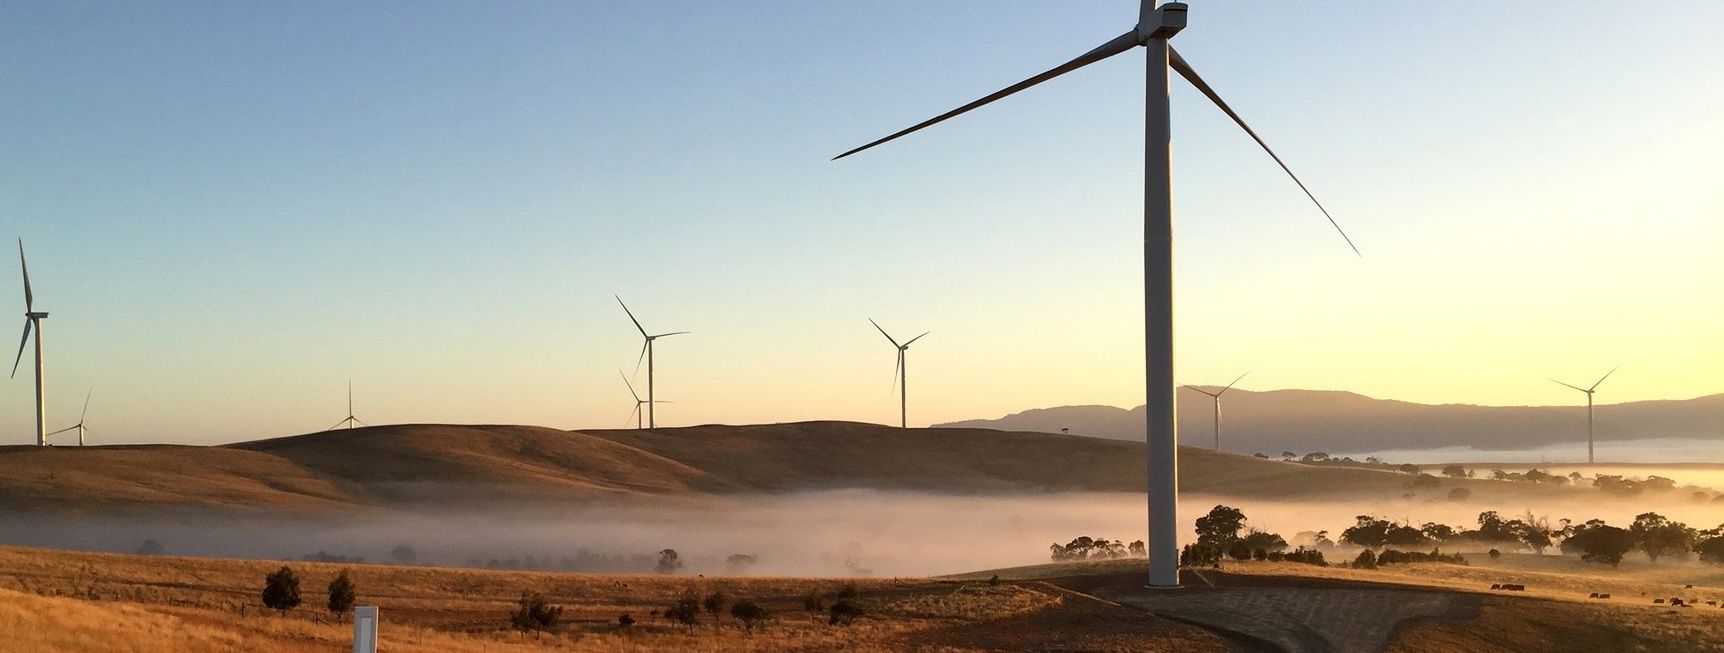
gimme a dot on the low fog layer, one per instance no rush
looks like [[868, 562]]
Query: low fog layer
[[838, 533], [1653, 450]]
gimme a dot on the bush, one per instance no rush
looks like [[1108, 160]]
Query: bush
[[715, 603], [1366, 560], [625, 621], [1306, 556], [845, 612], [994, 581], [535, 614], [686, 610], [814, 601], [848, 592], [281, 590], [341, 595], [1239, 550], [1494, 554], [749, 613], [1392, 556]]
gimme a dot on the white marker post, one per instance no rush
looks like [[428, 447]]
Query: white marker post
[[365, 629]]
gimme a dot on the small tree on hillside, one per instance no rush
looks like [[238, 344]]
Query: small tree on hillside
[[749, 613], [535, 614], [281, 590], [686, 610], [341, 595], [715, 604], [1455, 471]]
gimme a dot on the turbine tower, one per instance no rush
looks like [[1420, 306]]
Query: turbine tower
[[32, 319], [901, 370], [80, 425], [1589, 392], [646, 353], [1217, 397], [1155, 25], [350, 420], [637, 413]]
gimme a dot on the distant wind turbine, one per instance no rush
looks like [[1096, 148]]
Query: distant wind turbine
[[1217, 397], [902, 371], [1589, 392], [646, 353], [32, 318], [1155, 25], [351, 420], [637, 413], [80, 425]]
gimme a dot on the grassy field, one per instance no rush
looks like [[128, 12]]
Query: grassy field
[[83, 602]]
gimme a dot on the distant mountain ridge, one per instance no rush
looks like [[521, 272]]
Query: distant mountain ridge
[[1328, 420]]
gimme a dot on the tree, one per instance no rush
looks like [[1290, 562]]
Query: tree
[[403, 554], [341, 596], [1493, 528], [1455, 471], [535, 614], [1257, 540], [1288, 455], [1438, 532], [1711, 545], [1405, 536], [668, 562], [715, 604], [1315, 457], [749, 613], [740, 562], [1221, 526], [813, 601], [1409, 468], [281, 590], [1460, 494], [1600, 543], [686, 610], [151, 548], [1366, 560], [1137, 548], [1425, 481], [1658, 536], [1368, 531]]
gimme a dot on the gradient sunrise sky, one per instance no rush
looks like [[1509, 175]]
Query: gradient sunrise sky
[[232, 208]]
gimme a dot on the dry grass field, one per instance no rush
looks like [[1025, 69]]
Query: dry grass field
[[82, 602], [427, 464]]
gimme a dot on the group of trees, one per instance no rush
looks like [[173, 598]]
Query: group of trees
[[281, 591], [1087, 548], [1219, 535], [1594, 541]]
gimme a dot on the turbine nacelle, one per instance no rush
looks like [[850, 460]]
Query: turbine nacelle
[[36, 315], [1159, 22]]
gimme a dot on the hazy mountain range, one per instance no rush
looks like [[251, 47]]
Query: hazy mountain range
[[1319, 420]]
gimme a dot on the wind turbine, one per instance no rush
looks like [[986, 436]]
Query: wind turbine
[[32, 318], [646, 353], [1155, 25], [351, 420], [80, 425], [1217, 397], [902, 370], [637, 413], [1589, 392]]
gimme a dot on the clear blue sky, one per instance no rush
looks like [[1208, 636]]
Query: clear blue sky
[[231, 208]]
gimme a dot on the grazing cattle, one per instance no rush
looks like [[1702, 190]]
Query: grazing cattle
[[1658, 601], [1688, 587], [1676, 602], [1496, 586], [1593, 595], [1604, 596]]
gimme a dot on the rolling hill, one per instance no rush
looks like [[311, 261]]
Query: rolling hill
[[440, 465], [1310, 420]]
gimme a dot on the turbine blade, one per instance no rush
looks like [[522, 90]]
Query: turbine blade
[[29, 298], [1192, 387], [86, 412], [1119, 44], [1184, 69], [632, 414], [1230, 385], [632, 316], [1571, 386], [883, 332], [1601, 379], [673, 333], [895, 369], [358, 421], [337, 425], [917, 338], [630, 385], [663, 401], [21, 343], [638, 361], [59, 431]]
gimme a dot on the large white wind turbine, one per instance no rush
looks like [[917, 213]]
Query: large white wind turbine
[[1155, 25], [79, 427], [1217, 397], [638, 413], [646, 353], [1589, 392], [901, 374], [350, 420], [32, 319]]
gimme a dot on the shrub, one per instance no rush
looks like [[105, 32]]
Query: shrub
[[845, 612], [749, 613], [1392, 556], [625, 621], [1494, 554], [813, 601], [686, 610], [1307, 556], [281, 590], [994, 581], [534, 613], [341, 595], [848, 592], [1366, 560], [715, 604], [1239, 550]]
